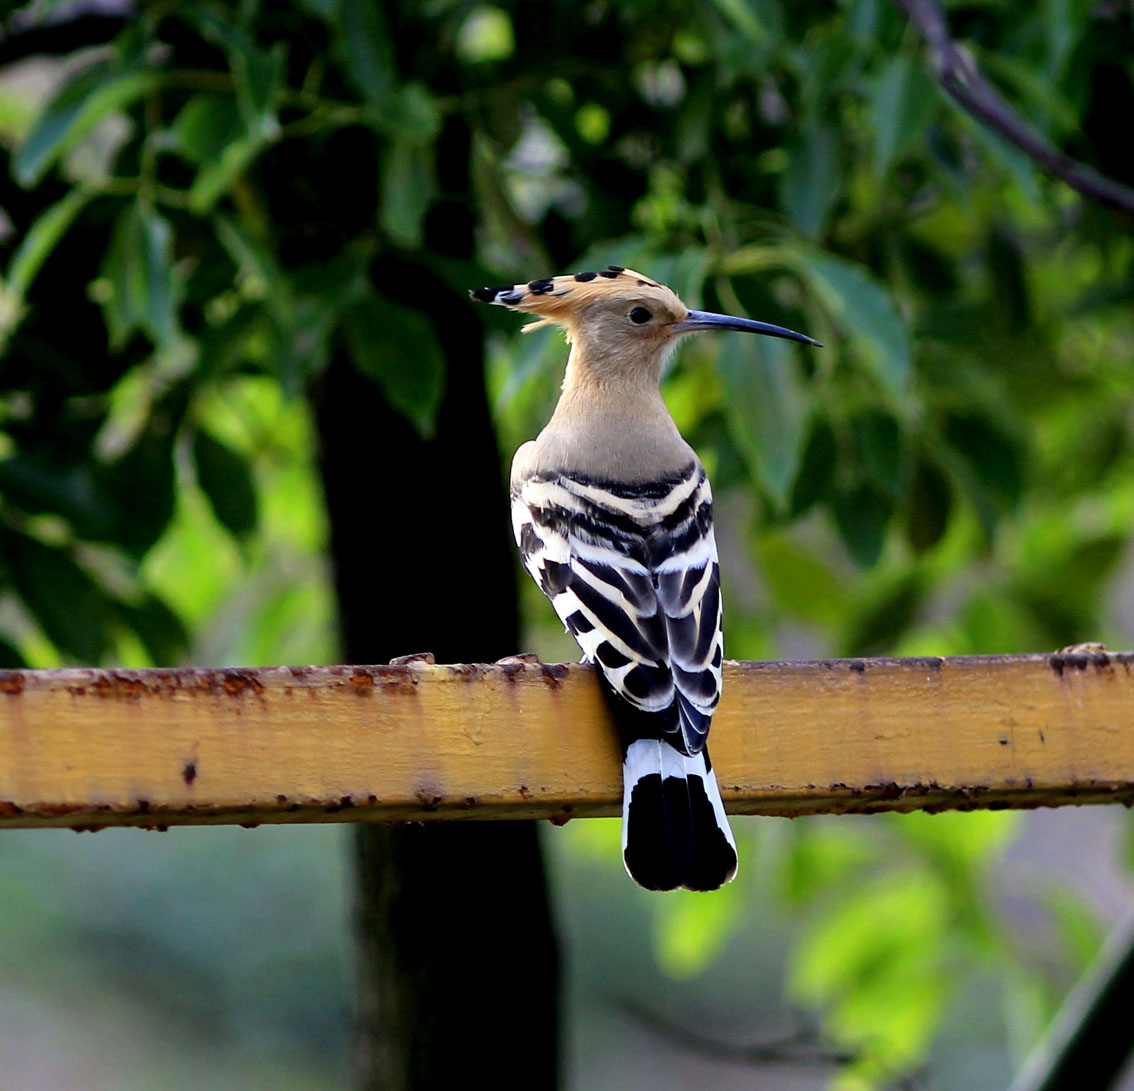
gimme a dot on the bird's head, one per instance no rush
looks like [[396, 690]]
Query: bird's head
[[619, 321]]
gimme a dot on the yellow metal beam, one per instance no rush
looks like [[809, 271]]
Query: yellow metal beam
[[521, 739]]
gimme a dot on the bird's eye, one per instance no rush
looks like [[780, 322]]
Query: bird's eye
[[640, 316]]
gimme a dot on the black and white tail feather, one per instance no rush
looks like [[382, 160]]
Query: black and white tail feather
[[632, 572]]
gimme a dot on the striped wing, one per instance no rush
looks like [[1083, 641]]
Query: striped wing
[[632, 572]]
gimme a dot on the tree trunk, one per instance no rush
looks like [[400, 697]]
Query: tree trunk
[[457, 972]]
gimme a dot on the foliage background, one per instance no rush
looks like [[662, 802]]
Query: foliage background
[[952, 474]]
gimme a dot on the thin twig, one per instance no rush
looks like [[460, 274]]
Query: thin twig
[[802, 1047], [954, 68]]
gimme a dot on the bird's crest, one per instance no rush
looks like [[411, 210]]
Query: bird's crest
[[556, 300]]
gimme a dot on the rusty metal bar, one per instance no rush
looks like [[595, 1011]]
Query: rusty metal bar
[[519, 739]]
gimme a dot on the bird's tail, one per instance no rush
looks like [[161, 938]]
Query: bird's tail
[[674, 829]]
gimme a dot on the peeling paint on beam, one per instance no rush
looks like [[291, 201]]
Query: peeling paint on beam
[[416, 741]]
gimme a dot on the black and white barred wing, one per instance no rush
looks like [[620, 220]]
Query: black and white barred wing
[[683, 559], [632, 573]]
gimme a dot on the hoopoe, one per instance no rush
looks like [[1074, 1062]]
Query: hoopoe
[[612, 513]]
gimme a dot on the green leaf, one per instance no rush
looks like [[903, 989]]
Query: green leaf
[[36, 486], [799, 582], [862, 514], [232, 342], [1007, 267], [41, 238], [930, 502], [928, 268], [258, 72], [160, 630], [216, 177], [811, 183], [415, 118], [862, 308], [902, 104], [127, 502], [299, 308], [259, 76], [1019, 167], [142, 484], [816, 471], [992, 623], [880, 623], [891, 1021], [83, 101], [880, 452], [225, 478], [766, 407], [820, 860], [299, 341], [205, 126], [398, 348], [407, 191], [968, 840], [1064, 23], [883, 931], [366, 47], [690, 930], [995, 456], [1036, 94], [139, 267], [74, 612], [253, 260], [758, 20], [874, 963], [863, 19]]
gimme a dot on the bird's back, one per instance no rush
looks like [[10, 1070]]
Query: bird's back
[[631, 569]]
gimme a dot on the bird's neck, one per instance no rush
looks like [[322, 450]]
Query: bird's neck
[[624, 366], [612, 425], [603, 387]]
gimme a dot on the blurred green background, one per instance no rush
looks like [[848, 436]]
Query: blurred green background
[[201, 206]]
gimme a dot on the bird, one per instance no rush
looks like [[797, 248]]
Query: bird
[[612, 514]]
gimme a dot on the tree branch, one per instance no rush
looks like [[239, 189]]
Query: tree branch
[[802, 1047], [1091, 1033], [954, 69]]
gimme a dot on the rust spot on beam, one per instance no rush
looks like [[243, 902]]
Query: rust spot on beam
[[237, 682], [11, 683], [362, 682], [553, 673]]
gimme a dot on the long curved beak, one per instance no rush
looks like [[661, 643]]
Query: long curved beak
[[706, 320]]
